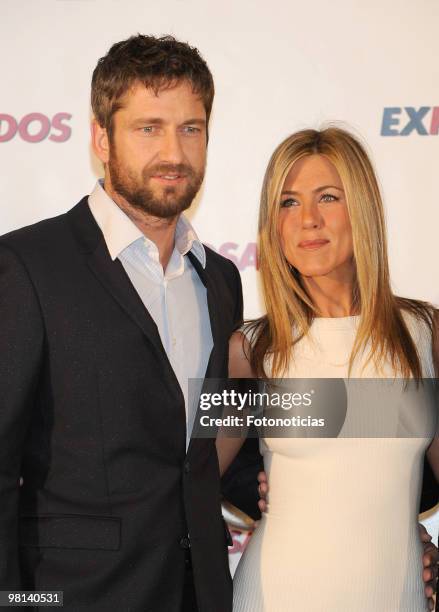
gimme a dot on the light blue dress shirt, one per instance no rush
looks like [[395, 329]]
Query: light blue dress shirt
[[175, 298]]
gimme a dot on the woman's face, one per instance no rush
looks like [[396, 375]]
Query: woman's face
[[314, 225]]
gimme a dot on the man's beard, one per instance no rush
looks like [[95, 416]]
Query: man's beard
[[135, 192]]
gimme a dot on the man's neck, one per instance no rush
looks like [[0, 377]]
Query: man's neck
[[158, 230]]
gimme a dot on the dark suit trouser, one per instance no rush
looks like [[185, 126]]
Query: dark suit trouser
[[189, 603]]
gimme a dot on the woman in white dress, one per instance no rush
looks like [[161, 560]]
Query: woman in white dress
[[331, 314]]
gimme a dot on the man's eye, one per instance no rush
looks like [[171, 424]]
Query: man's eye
[[288, 203], [190, 129], [147, 129]]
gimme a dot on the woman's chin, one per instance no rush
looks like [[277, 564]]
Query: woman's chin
[[314, 271]]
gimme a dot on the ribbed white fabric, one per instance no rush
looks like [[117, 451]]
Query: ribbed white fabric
[[340, 533]]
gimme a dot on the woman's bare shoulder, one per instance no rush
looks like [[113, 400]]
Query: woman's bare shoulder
[[239, 352]]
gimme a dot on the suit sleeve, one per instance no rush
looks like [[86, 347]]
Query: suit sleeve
[[239, 484], [21, 341], [430, 492], [238, 317]]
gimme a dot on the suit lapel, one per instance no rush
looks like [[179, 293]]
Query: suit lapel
[[213, 303], [111, 274], [197, 445], [113, 277]]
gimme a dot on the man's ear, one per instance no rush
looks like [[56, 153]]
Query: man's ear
[[100, 141]]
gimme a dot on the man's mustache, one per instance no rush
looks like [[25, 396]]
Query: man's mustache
[[182, 169]]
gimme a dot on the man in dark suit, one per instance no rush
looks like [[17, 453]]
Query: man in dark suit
[[105, 313]]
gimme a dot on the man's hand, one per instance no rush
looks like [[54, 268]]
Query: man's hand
[[430, 561], [263, 490]]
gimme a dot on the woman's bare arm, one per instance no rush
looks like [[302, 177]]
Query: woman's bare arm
[[239, 367]]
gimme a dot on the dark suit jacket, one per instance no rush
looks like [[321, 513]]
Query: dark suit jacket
[[92, 417]]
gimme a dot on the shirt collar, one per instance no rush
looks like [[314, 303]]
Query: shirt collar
[[120, 232]]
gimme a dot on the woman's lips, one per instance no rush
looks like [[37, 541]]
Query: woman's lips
[[311, 245]]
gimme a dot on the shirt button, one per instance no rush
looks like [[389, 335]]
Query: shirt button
[[185, 543], [187, 467]]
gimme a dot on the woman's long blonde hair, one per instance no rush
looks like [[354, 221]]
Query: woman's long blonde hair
[[289, 308]]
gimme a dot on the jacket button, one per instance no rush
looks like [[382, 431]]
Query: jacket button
[[186, 467], [185, 543]]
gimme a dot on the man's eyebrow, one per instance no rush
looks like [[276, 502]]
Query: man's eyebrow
[[148, 121], [317, 190], [161, 121], [195, 121]]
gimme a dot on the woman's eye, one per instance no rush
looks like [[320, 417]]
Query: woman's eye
[[288, 203], [328, 197]]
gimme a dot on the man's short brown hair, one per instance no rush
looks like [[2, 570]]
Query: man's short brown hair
[[158, 63]]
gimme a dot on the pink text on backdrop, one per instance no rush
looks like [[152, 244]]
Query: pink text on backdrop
[[35, 127], [243, 256]]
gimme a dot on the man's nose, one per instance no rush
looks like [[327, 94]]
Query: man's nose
[[171, 150]]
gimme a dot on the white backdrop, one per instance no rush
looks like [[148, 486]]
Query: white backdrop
[[278, 67]]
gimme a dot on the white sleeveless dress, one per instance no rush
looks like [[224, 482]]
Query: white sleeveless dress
[[341, 531]]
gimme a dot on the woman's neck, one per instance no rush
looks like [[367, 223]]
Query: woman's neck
[[332, 297]]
